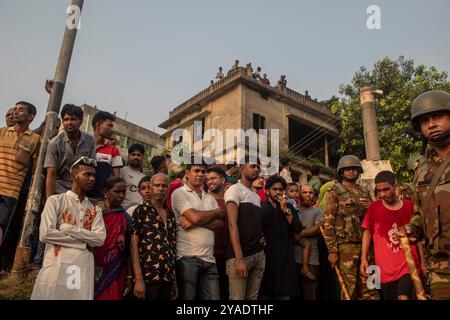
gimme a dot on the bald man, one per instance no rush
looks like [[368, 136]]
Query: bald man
[[153, 235]]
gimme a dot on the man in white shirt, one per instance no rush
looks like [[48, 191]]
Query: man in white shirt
[[70, 226], [197, 214], [132, 173]]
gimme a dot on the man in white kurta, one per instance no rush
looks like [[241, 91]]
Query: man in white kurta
[[70, 227]]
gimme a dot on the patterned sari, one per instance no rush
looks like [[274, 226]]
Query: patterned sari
[[111, 259]]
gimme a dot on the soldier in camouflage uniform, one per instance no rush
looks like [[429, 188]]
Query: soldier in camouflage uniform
[[346, 203], [430, 113], [405, 190]]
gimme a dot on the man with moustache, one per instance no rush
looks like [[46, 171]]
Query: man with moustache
[[198, 215], [215, 179], [346, 203], [153, 242], [246, 258], [107, 155], [132, 173], [280, 222], [430, 114], [64, 149], [19, 148], [311, 219]]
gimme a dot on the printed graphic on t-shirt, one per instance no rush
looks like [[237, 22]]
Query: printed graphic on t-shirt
[[133, 187], [101, 157], [393, 243]]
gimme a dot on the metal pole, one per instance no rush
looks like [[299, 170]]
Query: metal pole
[[22, 257], [371, 137]]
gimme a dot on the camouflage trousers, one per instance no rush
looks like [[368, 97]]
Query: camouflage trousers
[[439, 277], [349, 263]]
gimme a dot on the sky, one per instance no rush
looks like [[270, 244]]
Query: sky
[[144, 58]]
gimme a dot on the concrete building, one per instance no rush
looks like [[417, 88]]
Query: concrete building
[[307, 129], [128, 133]]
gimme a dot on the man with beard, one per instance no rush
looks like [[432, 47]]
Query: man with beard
[[430, 114], [246, 258], [280, 221], [19, 148], [198, 215], [64, 149], [132, 173], [107, 155], [346, 203], [308, 260], [215, 179]]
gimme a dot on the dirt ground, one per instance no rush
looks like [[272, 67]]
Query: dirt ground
[[16, 291]]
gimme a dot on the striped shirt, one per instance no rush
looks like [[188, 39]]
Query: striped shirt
[[16, 153]]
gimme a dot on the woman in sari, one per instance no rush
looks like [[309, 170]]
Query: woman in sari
[[111, 260]]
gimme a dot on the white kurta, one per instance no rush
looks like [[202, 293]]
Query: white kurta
[[68, 226]]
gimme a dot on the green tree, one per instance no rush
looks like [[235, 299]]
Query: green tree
[[401, 82]]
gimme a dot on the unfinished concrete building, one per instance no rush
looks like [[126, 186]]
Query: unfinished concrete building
[[307, 129]]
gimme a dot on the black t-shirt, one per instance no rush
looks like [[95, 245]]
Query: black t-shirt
[[249, 219]]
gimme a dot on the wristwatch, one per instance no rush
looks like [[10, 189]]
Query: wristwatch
[[288, 212]]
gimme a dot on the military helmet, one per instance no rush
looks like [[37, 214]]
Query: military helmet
[[411, 162], [430, 101], [349, 161]]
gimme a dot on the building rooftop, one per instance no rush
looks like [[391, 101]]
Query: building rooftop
[[93, 110], [236, 77]]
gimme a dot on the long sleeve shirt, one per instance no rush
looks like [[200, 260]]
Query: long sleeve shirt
[[70, 228]]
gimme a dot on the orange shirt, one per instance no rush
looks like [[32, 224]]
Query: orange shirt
[[16, 153]]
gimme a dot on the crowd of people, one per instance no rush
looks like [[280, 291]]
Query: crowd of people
[[256, 75], [108, 231]]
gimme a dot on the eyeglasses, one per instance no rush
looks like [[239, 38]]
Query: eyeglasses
[[86, 160]]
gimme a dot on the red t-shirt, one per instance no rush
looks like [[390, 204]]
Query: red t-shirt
[[389, 255], [261, 194], [174, 185]]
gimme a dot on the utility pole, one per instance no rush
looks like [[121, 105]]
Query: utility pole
[[22, 257]]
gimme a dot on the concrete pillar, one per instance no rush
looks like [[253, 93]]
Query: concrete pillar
[[371, 137], [327, 157]]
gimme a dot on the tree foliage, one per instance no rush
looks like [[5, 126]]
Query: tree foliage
[[400, 82]]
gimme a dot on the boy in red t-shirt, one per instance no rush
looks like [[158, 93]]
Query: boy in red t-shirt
[[382, 220]]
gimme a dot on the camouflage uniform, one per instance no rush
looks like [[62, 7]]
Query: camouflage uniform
[[344, 213], [405, 191], [433, 221]]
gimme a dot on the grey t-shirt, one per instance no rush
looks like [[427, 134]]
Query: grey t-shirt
[[309, 216], [132, 178], [61, 156]]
